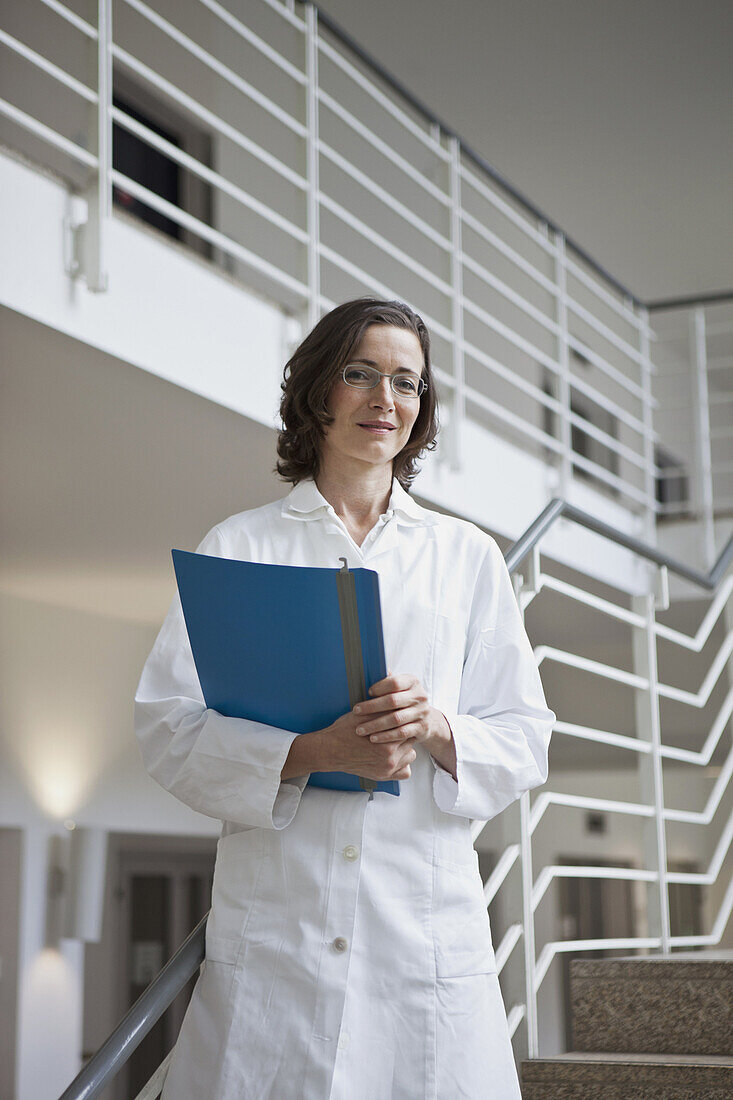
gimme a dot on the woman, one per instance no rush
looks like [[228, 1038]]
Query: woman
[[348, 950]]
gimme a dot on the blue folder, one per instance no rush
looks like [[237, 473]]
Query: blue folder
[[278, 644]]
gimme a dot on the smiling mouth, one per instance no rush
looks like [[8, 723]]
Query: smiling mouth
[[378, 429]]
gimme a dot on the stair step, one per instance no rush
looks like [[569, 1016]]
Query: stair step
[[604, 1076], [674, 1005]]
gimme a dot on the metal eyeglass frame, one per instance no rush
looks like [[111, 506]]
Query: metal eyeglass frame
[[421, 383]]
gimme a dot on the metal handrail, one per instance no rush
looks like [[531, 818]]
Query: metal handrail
[[162, 991], [146, 1011], [561, 509]]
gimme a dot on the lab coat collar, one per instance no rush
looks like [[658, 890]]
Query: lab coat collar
[[305, 502]]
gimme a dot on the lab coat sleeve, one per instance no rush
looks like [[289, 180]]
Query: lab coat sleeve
[[502, 728], [226, 768]]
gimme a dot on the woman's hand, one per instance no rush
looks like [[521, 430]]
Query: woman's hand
[[399, 711], [343, 750]]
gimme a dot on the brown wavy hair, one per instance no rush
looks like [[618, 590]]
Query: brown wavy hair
[[317, 363]]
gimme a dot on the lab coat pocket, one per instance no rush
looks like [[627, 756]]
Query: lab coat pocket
[[461, 930], [239, 861]]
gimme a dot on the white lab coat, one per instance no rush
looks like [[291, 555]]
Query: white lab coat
[[348, 950]]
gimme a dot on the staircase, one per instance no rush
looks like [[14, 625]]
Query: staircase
[[656, 1028]]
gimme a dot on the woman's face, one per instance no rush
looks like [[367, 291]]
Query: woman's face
[[355, 436]]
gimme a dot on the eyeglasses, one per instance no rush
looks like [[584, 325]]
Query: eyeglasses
[[367, 378]]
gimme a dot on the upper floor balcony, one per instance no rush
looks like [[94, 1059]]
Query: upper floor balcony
[[260, 168]]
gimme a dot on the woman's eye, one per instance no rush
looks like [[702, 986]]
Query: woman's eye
[[355, 374], [405, 384]]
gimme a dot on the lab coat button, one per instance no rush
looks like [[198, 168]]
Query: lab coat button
[[351, 853], [340, 944]]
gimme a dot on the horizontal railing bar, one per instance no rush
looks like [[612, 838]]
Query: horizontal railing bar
[[634, 422], [213, 235], [562, 946], [383, 195], [508, 211], [248, 35], [509, 941], [704, 755], [703, 632], [208, 117], [511, 254], [552, 871], [612, 372], [603, 330], [699, 698], [585, 664], [289, 16], [382, 147], [47, 134], [384, 101], [495, 880], [585, 802], [508, 417], [218, 67], [511, 295], [512, 377], [606, 607], [205, 173], [603, 737], [377, 285], [616, 482], [671, 472], [562, 509], [626, 312], [707, 878], [720, 398], [507, 333], [706, 815], [386, 246], [72, 17], [720, 362], [146, 1011], [48, 67], [609, 441]]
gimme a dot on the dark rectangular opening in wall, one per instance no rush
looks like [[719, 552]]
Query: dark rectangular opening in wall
[[147, 166], [672, 485], [156, 170]]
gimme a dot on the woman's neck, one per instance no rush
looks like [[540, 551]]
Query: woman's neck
[[359, 502]]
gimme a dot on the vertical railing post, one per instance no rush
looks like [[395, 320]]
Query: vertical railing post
[[525, 846], [563, 364], [648, 726], [312, 156], [650, 462], [458, 404], [703, 445], [99, 195]]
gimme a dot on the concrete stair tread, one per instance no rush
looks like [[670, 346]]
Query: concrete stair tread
[[636, 1059]]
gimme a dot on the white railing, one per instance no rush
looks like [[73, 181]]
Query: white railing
[[325, 182], [694, 387], [648, 752]]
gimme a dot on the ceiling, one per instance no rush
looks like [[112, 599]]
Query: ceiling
[[613, 118]]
